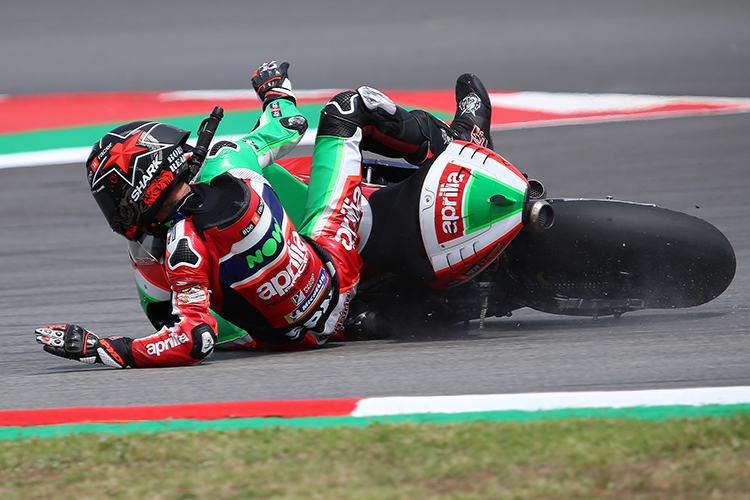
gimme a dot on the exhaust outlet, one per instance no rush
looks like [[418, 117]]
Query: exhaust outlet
[[537, 191], [538, 215]]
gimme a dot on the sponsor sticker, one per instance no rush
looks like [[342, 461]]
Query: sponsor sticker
[[449, 217], [298, 297], [275, 109], [477, 136], [191, 295], [254, 220], [311, 300], [470, 104], [247, 229], [283, 281], [349, 216]]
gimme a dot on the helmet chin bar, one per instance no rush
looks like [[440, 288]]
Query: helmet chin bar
[[155, 229]]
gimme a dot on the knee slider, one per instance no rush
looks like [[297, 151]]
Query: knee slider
[[338, 116], [350, 110], [375, 100]]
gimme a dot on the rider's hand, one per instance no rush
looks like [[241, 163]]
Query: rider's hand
[[69, 341], [75, 342], [271, 82]]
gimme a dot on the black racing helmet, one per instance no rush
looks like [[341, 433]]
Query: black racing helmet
[[132, 169]]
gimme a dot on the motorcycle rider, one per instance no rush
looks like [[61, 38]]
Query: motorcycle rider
[[231, 247]]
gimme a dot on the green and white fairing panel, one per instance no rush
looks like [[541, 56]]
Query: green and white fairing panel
[[471, 207]]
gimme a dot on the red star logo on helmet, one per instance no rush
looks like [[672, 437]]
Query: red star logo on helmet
[[121, 152]]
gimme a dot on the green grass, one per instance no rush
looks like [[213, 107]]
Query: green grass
[[706, 458]]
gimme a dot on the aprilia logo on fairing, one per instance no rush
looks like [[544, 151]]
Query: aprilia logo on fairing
[[285, 280], [449, 223], [172, 341]]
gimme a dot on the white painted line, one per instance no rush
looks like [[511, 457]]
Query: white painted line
[[237, 94], [49, 157], [613, 118], [567, 103], [552, 401]]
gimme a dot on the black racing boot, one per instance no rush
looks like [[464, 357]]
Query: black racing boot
[[473, 111]]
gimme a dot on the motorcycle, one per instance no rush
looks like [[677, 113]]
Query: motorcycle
[[490, 242]]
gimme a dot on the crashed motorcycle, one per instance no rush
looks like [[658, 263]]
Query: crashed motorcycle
[[481, 240]]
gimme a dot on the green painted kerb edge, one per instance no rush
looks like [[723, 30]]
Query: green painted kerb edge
[[234, 123], [655, 413]]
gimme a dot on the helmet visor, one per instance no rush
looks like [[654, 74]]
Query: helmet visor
[[147, 249]]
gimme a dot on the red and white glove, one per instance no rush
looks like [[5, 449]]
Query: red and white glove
[[271, 82], [75, 342]]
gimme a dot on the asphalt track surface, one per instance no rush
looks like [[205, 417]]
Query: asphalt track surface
[[60, 263]]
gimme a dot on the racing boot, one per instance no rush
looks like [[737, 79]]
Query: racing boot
[[473, 111]]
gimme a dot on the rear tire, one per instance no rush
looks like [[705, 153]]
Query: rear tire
[[605, 257]]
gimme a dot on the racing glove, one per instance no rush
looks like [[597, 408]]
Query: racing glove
[[271, 82], [75, 342]]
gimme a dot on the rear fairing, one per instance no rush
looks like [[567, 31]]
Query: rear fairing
[[470, 209]]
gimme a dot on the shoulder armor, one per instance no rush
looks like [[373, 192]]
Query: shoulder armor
[[180, 250], [184, 254]]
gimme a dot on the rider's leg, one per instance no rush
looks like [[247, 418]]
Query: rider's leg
[[352, 121], [387, 129], [333, 206], [417, 135], [367, 119]]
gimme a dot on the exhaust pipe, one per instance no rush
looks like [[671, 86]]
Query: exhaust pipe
[[537, 191], [538, 215]]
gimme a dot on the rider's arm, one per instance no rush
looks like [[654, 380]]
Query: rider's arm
[[190, 339], [280, 126], [192, 336], [278, 130]]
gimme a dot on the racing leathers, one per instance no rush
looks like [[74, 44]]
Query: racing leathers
[[232, 248]]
